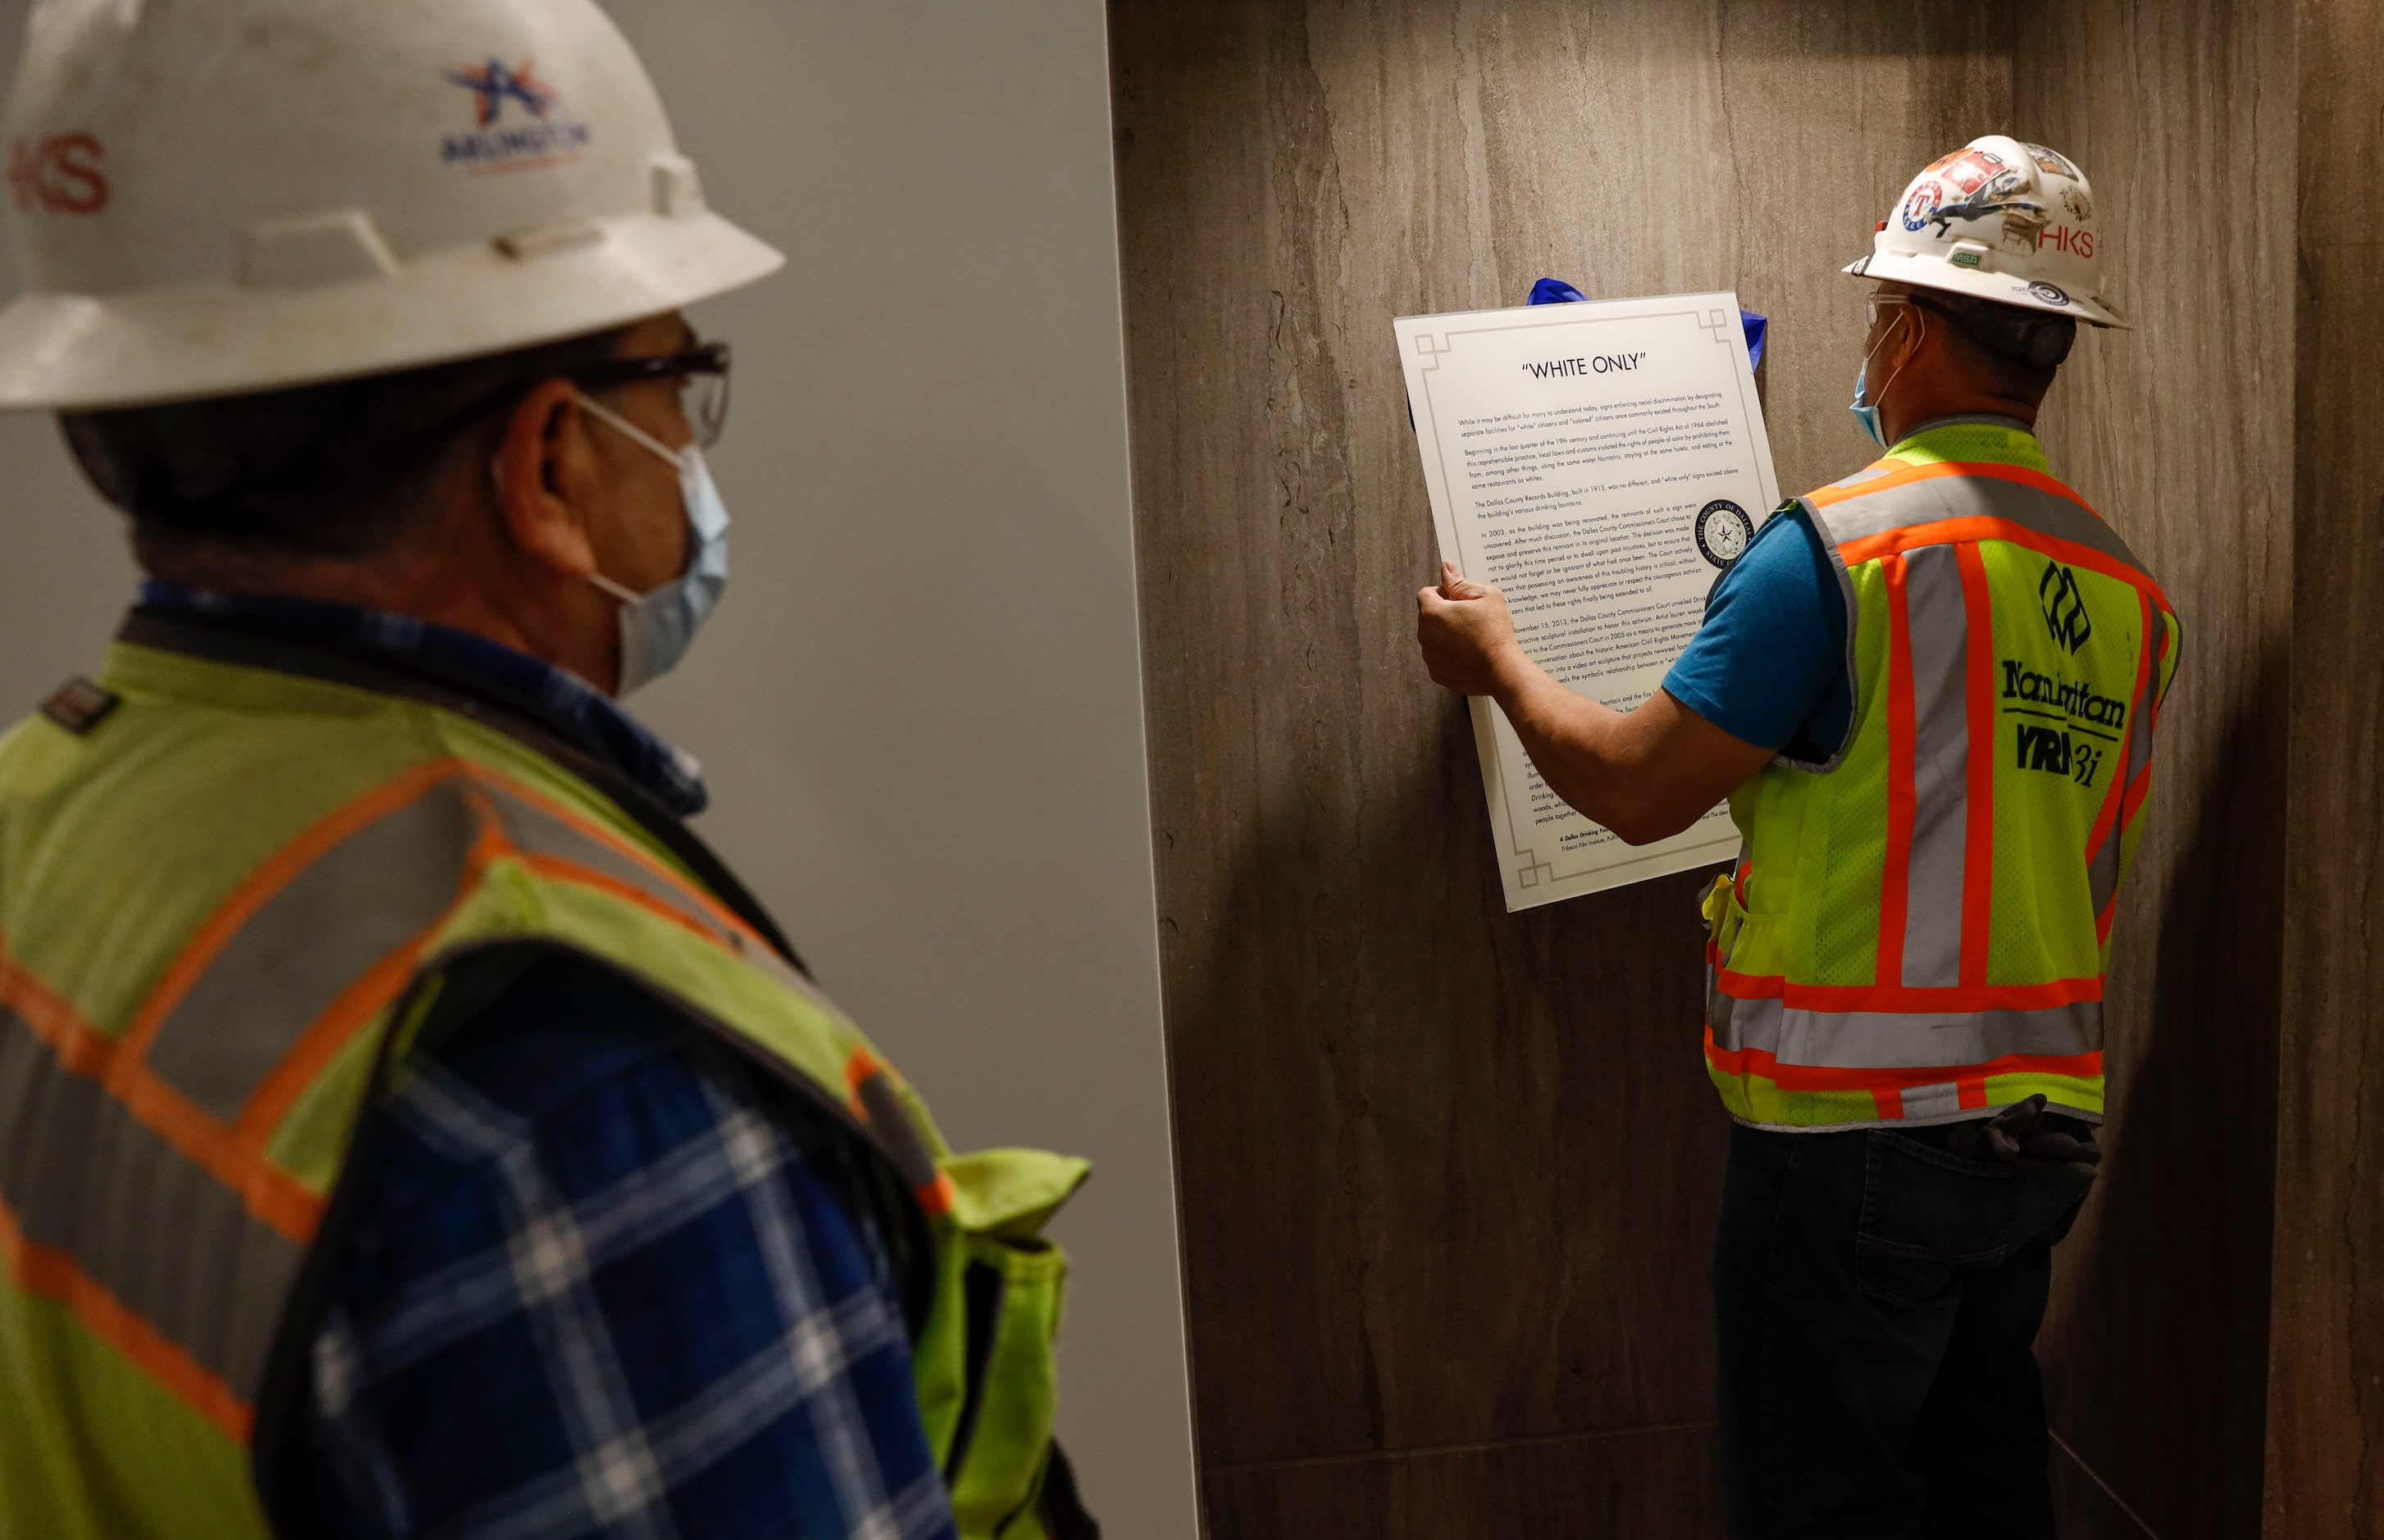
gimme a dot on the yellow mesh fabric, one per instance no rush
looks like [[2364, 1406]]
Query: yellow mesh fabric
[[1848, 869], [2042, 924], [1759, 1099], [1973, 442], [1819, 842], [2065, 1091]]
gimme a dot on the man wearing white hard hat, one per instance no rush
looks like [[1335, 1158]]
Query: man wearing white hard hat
[[1928, 692], [407, 1125]]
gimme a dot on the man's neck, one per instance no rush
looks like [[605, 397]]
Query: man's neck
[[427, 589], [1924, 406]]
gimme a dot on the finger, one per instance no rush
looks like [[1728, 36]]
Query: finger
[[1456, 585], [2061, 1146], [2072, 1173]]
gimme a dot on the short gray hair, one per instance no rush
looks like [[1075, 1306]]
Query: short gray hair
[[338, 470]]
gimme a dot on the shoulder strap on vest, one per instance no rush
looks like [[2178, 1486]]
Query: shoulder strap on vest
[[1889, 506], [246, 645]]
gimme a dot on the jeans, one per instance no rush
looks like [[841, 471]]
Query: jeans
[[1876, 1299]]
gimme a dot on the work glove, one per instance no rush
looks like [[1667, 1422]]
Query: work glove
[[2019, 1136]]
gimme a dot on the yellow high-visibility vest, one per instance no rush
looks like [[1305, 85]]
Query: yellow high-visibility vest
[[232, 899], [1918, 926]]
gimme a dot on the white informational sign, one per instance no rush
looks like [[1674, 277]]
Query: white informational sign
[[1602, 463]]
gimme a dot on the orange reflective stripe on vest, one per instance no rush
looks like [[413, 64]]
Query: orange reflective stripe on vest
[[315, 944], [1916, 927], [233, 906]]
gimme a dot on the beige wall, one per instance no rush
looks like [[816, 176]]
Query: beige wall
[[920, 708]]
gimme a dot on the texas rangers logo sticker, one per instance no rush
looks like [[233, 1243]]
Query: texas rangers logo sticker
[[518, 120], [1723, 530], [1921, 202]]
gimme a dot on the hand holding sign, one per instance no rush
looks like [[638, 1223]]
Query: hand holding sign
[[1464, 630], [1589, 464]]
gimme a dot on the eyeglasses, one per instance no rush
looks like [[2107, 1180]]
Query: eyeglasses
[[702, 376], [1875, 303]]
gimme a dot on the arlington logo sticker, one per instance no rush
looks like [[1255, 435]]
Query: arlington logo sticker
[[518, 122]]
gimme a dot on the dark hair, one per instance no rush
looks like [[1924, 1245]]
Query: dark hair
[[2029, 343], [336, 470]]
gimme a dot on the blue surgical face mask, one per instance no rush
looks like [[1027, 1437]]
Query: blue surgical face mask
[[656, 627], [1866, 412]]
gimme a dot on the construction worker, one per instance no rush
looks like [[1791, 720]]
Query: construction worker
[[1929, 692], [406, 1124]]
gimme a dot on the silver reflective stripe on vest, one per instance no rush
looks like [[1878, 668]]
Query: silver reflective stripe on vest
[[169, 1242], [1898, 1039], [890, 1121], [1936, 498], [2102, 864], [1940, 1101], [540, 832], [1938, 624], [362, 899], [172, 1244]]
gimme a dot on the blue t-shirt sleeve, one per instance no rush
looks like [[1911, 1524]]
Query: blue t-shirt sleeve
[[1768, 664]]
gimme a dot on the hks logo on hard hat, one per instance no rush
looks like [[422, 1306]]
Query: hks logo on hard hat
[[58, 173], [548, 136]]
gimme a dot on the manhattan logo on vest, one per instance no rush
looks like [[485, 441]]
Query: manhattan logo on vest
[[2065, 607], [538, 133]]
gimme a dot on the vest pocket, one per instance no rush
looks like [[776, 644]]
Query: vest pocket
[[1730, 929], [1011, 1284], [1000, 1452]]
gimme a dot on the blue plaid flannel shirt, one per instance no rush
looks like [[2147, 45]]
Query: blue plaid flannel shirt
[[589, 1286]]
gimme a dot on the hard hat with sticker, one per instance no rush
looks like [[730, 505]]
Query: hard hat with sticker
[[1997, 219], [219, 199]]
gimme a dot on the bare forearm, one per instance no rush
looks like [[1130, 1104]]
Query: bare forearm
[[1589, 753], [1644, 774]]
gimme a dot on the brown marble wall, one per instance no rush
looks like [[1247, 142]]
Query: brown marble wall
[[2326, 1382], [2182, 434], [1449, 1176]]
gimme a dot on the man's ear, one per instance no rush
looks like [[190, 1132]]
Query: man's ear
[[544, 469], [1918, 333]]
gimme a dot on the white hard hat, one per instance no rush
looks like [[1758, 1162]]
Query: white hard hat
[[221, 196], [1999, 220]]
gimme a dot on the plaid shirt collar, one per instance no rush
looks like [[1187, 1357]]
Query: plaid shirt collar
[[586, 714]]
